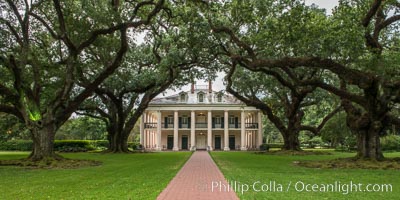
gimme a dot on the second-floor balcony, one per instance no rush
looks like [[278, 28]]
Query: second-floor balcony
[[251, 125], [150, 125], [201, 125], [167, 125]]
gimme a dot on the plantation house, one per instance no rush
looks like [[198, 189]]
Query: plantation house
[[200, 119]]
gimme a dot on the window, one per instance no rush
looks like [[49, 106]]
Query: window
[[170, 119], [219, 98], [183, 97], [201, 97], [185, 119], [231, 119], [217, 120]]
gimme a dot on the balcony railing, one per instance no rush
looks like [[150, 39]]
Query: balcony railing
[[234, 126], [184, 126], [252, 125], [163, 125], [150, 125], [201, 125], [218, 126]]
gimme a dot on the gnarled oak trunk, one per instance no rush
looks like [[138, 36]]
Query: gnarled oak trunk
[[118, 141], [291, 141], [43, 143], [367, 131], [368, 145]]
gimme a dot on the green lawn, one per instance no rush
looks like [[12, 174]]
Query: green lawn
[[121, 176], [248, 168]]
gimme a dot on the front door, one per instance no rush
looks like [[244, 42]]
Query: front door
[[201, 142], [184, 142], [217, 141], [170, 142], [232, 142]]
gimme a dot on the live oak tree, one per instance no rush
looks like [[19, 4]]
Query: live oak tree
[[271, 86], [45, 46], [167, 58], [280, 100], [356, 46]]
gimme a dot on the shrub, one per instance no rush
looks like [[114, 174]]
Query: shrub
[[390, 143], [275, 145], [59, 145], [133, 145], [73, 145], [316, 142], [264, 147], [100, 144], [16, 145]]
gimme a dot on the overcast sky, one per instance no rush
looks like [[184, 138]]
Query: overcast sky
[[218, 83]]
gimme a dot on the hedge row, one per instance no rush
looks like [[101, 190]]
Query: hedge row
[[266, 147], [390, 143], [61, 145], [16, 145]]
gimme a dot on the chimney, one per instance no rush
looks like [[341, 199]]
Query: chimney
[[192, 88], [209, 86]]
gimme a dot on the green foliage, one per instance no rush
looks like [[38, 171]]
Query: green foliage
[[11, 128], [275, 145], [336, 132], [100, 144], [16, 145], [133, 145], [73, 145], [82, 128], [264, 147], [390, 143], [59, 145], [316, 142]]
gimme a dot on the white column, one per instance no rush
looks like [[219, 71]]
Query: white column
[[151, 140], [260, 130], [226, 131], [192, 131], [142, 127], [209, 130], [176, 148], [159, 146], [242, 131]]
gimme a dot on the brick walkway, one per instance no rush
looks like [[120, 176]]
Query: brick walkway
[[199, 178]]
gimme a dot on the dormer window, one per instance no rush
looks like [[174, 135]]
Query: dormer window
[[219, 98], [183, 97], [200, 97]]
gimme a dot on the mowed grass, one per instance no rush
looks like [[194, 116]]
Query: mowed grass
[[248, 168], [121, 176]]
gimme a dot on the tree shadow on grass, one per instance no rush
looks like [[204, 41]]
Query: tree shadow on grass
[[293, 153], [351, 163], [64, 163]]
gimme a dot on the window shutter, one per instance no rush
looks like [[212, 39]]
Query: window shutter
[[165, 122], [180, 122], [189, 122], [222, 122], [236, 122], [213, 122]]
